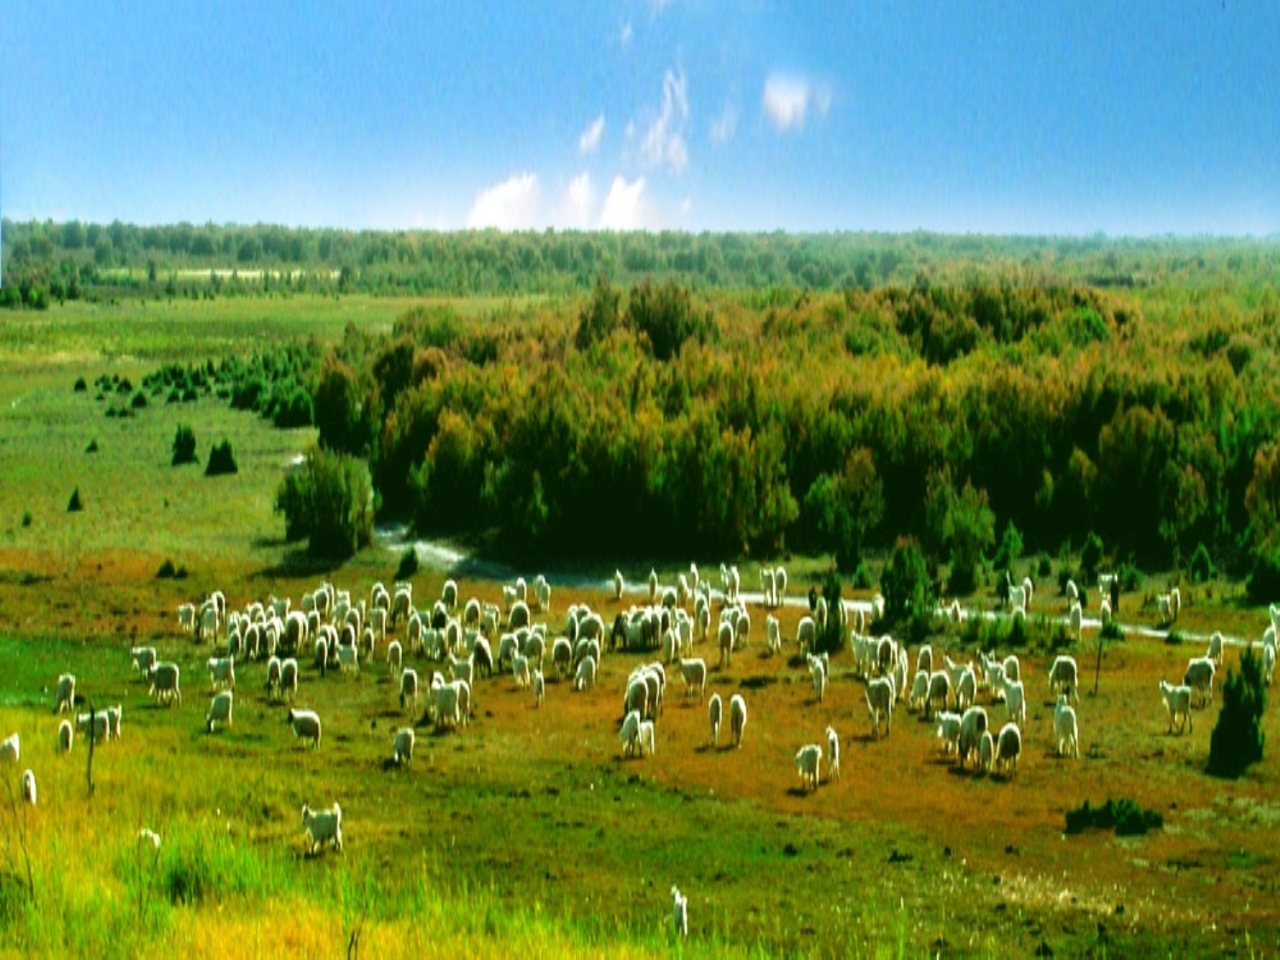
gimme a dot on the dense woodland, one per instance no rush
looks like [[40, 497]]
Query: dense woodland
[[707, 396]]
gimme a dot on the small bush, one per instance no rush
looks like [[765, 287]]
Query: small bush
[[1010, 549], [862, 576], [408, 563], [1263, 583], [1130, 578], [1237, 740], [1173, 638], [74, 505], [1202, 569], [1091, 556], [184, 445], [328, 501], [221, 460], [831, 640], [167, 571], [139, 401], [80, 386], [1044, 567], [26, 518], [1111, 630], [124, 386], [907, 587], [174, 396], [1124, 816], [92, 447]]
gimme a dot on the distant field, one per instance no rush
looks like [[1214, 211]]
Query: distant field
[[526, 831]]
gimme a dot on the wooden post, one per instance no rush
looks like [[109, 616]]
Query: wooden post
[[89, 769]]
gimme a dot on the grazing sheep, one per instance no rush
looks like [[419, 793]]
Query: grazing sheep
[[10, 749], [924, 659], [714, 711], [144, 658], [113, 715], [737, 718], [919, 695], [288, 679], [773, 634], [219, 711], [809, 765], [679, 913], [409, 689], [93, 725], [29, 787], [1015, 702], [1199, 677], [66, 734], [833, 755], [1177, 701], [986, 751], [222, 673], [348, 659], [520, 670], [1008, 749], [444, 705], [966, 687], [807, 634], [1074, 620], [65, 698], [1012, 668], [939, 692], [629, 733], [948, 730], [322, 826], [585, 676], [306, 725], [402, 746], [1063, 677], [647, 737], [539, 688], [1104, 611], [880, 697], [973, 724], [694, 674], [164, 683], [1214, 652], [1065, 731], [818, 670]]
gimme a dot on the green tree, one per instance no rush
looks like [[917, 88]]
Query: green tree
[[845, 508], [327, 501], [338, 408], [184, 445], [907, 588], [600, 317], [1237, 740], [962, 524]]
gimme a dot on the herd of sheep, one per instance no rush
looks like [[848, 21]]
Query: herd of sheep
[[466, 643]]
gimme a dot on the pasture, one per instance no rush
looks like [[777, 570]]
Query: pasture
[[527, 830]]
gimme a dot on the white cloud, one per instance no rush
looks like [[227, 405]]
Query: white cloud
[[724, 126], [578, 203], [510, 205], [624, 207], [664, 142], [787, 100], [590, 138]]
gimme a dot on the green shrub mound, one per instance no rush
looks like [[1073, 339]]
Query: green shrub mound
[[1124, 816], [184, 445], [408, 563], [1237, 740], [222, 460], [75, 505]]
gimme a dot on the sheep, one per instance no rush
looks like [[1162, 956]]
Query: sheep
[[737, 718], [919, 691], [818, 670], [306, 725], [779, 586], [939, 692], [187, 618], [1104, 611], [114, 716], [395, 657], [966, 687], [1063, 677], [617, 584], [629, 733], [807, 634], [772, 634], [585, 676], [65, 697], [10, 749], [222, 673], [1199, 677], [144, 658], [714, 712], [1177, 701], [66, 734], [973, 724], [1015, 702], [880, 696], [444, 702], [1168, 605], [539, 688], [1215, 648], [409, 689], [348, 659], [1074, 620], [1012, 668], [647, 737], [924, 659], [219, 711], [1065, 731], [1268, 662], [986, 751], [288, 679], [520, 670], [402, 745], [724, 639], [1073, 594], [766, 587], [1008, 749], [694, 674], [742, 629], [1017, 600], [323, 825], [948, 730], [93, 725], [165, 679], [679, 912], [833, 755], [29, 787], [809, 765]]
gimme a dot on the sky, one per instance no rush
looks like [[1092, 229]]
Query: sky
[[1067, 117]]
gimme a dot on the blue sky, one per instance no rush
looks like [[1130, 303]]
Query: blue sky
[[1136, 117]]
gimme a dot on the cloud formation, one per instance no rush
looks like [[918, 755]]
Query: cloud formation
[[509, 205], [590, 139], [724, 126], [577, 205], [624, 207], [787, 100], [664, 142]]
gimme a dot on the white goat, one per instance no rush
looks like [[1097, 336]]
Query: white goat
[[809, 765], [1177, 702], [1199, 677]]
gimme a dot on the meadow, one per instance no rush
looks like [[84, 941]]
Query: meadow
[[527, 831]]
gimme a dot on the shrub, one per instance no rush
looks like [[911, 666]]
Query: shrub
[[92, 447], [1010, 549], [221, 460], [184, 445], [1263, 583], [175, 396], [139, 401], [1124, 816], [124, 386], [328, 502], [74, 505], [1130, 578], [831, 640], [907, 588], [166, 571], [408, 563], [1202, 569], [1173, 638], [1091, 556], [1237, 740], [26, 518], [80, 386], [1111, 630], [1044, 567], [293, 409]]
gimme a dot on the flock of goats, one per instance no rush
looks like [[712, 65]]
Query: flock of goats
[[469, 641]]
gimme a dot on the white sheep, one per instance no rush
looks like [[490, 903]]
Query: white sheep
[[880, 697], [806, 633], [1177, 702], [520, 671], [306, 725], [1065, 731], [29, 787], [222, 673], [919, 691], [809, 765], [986, 751], [694, 674], [144, 658], [114, 716], [322, 826], [618, 584], [1214, 652], [219, 711], [1104, 611], [679, 913], [449, 595], [1268, 662], [10, 749], [1199, 677], [348, 658], [539, 688], [1012, 668], [1008, 749], [737, 718], [973, 724], [773, 634], [402, 746], [1015, 702], [1074, 620], [724, 640], [585, 676], [818, 671], [647, 738], [1063, 677], [939, 692], [833, 755], [288, 679], [948, 730], [1168, 605], [714, 712], [164, 683], [629, 733], [65, 698], [66, 735], [93, 725]]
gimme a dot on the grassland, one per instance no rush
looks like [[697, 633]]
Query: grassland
[[526, 832]]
